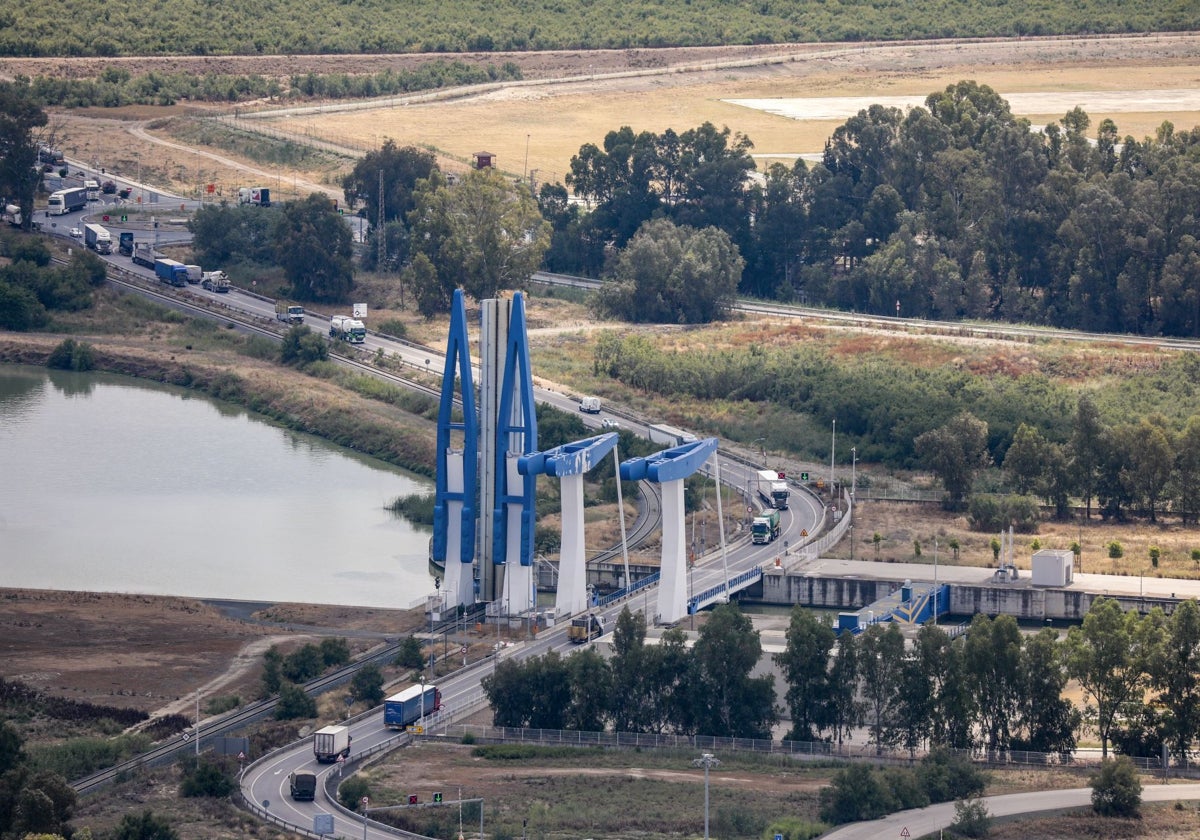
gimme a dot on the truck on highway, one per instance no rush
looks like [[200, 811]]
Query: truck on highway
[[765, 527], [289, 313], [97, 238], [590, 405], [145, 254], [330, 743], [772, 487], [195, 273], [303, 786], [669, 435], [260, 196], [403, 709], [347, 328], [125, 243], [585, 628], [12, 214], [93, 189], [66, 201], [171, 271], [215, 281]]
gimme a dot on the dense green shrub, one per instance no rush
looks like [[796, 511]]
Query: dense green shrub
[[410, 654], [294, 702], [351, 792], [1116, 789], [997, 513], [206, 778], [72, 355]]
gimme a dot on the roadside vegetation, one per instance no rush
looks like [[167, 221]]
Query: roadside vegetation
[[192, 27]]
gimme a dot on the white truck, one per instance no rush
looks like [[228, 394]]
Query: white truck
[[215, 281], [590, 405], [195, 274], [97, 238], [259, 196], [12, 214], [289, 313], [331, 743], [773, 489], [347, 328], [668, 435]]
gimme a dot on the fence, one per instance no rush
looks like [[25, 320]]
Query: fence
[[800, 750]]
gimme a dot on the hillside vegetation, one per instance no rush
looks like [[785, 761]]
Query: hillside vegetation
[[201, 27]]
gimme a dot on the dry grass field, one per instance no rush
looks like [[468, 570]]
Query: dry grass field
[[572, 98]]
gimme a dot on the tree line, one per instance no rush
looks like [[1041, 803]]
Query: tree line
[[990, 690], [954, 210], [117, 86], [996, 691], [196, 27]]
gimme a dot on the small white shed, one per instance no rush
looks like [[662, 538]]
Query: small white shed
[[1053, 567]]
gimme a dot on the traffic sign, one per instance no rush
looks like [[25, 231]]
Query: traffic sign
[[904, 832], [366, 800], [413, 799], [463, 650], [341, 759], [187, 736], [804, 476], [241, 756], [804, 532], [437, 797]]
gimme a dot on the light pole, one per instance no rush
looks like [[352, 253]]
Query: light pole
[[832, 449], [935, 581], [853, 490], [437, 588], [707, 760]]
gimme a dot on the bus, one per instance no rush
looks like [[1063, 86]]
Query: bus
[[67, 201]]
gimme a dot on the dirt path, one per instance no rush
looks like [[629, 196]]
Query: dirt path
[[237, 669]]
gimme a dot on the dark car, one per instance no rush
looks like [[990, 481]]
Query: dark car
[[108, 188], [125, 192]]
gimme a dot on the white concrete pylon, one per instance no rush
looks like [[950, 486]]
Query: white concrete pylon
[[460, 587], [672, 582]]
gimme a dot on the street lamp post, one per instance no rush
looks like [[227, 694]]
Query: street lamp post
[[437, 588], [707, 760]]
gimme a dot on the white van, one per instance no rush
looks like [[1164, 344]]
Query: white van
[[590, 405]]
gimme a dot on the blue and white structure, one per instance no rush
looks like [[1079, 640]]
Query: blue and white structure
[[516, 435], [569, 462], [457, 468], [668, 469]]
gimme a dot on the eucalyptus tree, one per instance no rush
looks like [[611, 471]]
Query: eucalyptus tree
[[955, 452], [1109, 655], [992, 655], [590, 681], [880, 672], [630, 703], [805, 664], [21, 117], [845, 709], [729, 702], [1048, 720], [1175, 675], [1185, 481]]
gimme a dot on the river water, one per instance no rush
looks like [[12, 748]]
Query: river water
[[111, 484]]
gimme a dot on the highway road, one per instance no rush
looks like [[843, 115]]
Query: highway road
[[922, 821]]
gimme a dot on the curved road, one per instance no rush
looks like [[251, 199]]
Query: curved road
[[936, 817]]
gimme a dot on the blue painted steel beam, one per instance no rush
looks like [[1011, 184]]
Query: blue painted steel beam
[[516, 384], [457, 372], [671, 464], [570, 458]]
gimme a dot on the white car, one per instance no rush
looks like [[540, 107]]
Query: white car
[[76, 233], [609, 423]]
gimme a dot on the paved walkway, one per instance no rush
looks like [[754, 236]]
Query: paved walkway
[[919, 822]]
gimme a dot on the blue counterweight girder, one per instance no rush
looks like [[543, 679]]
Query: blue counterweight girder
[[516, 387], [671, 464], [570, 458], [457, 372]]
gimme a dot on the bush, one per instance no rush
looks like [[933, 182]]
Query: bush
[[294, 703], [971, 818], [393, 327], [1116, 789], [72, 355], [855, 794], [304, 664], [351, 792], [144, 826], [220, 705], [206, 778], [302, 346], [946, 776], [334, 651], [367, 685], [410, 654], [996, 513], [1115, 550], [417, 508], [794, 828]]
